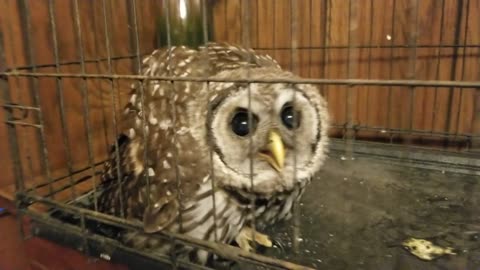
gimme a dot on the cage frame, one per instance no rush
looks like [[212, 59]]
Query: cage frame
[[468, 163]]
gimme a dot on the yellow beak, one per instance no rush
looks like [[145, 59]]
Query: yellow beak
[[275, 154]]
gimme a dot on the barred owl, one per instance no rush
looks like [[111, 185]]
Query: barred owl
[[183, 135]]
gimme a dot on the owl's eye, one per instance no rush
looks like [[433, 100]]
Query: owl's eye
[[240, 124], [290, 117]]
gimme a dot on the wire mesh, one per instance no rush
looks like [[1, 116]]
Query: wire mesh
[[310, 46]]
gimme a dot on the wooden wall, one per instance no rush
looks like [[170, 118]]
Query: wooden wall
[[321, 30]]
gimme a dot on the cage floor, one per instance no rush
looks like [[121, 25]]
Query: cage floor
[[356, 213]]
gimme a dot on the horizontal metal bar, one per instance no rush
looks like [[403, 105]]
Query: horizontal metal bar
[[348, 82], [69, 63], [223, 250], [23, 107], [466, 136], [23, 124], [379, 46]]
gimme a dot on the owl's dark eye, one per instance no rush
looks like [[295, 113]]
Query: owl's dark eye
[[240, 124], [290, 117]]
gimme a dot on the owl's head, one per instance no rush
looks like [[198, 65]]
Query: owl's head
[[272, 133]]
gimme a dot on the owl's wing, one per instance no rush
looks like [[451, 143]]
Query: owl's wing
[[129, 197]]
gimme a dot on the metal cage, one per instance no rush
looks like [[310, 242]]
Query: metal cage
[[401, 77]]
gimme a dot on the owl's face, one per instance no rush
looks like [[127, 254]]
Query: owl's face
[[274, 132]]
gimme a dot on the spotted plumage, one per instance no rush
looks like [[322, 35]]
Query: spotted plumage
[[186, 137]]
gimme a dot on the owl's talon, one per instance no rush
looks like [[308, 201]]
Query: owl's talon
[[244, 238], [263, 239]]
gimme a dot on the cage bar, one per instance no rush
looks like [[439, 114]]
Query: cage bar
[[27, 28], [212, 171], [350, 82], [60, 97], [114, 102], [85, 101]]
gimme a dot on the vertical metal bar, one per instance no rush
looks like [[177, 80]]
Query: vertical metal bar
[[246, 44], [468, 195], [97, 47], [245, 26], [437, 72], [352, 65], [212, 170], [453, 70], [172, 104], [30, 52], [60, 97], [133, 33], [83, 227], [462, 90], [412, 60], [274, 40], [326, 29], [85, 103], [293, 66], [11, 129], [369, 68], [389, 96], [225, 19], [26, 147], [138, 63], [258, 24], [12, 135], [310, 39], [475, 147], [114, 100]]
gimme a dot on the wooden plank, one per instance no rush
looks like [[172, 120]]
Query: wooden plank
[[234, 23], [282, 33], [266, 23], [317, 39]]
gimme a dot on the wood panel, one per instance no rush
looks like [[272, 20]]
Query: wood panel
[[322, 34]]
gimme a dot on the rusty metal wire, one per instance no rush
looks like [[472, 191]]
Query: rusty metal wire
[[349, 82]]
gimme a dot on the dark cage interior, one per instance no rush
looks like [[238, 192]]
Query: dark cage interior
[[402, 82]]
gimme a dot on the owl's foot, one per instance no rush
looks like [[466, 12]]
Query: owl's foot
[[247, 235]]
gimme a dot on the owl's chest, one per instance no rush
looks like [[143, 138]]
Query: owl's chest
[[278, 208], [220, 215], [211, 216], [268, 210]]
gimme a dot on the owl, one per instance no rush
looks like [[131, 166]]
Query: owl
[[206, 158]]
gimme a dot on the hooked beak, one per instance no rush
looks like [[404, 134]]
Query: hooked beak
[[275, 152]]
